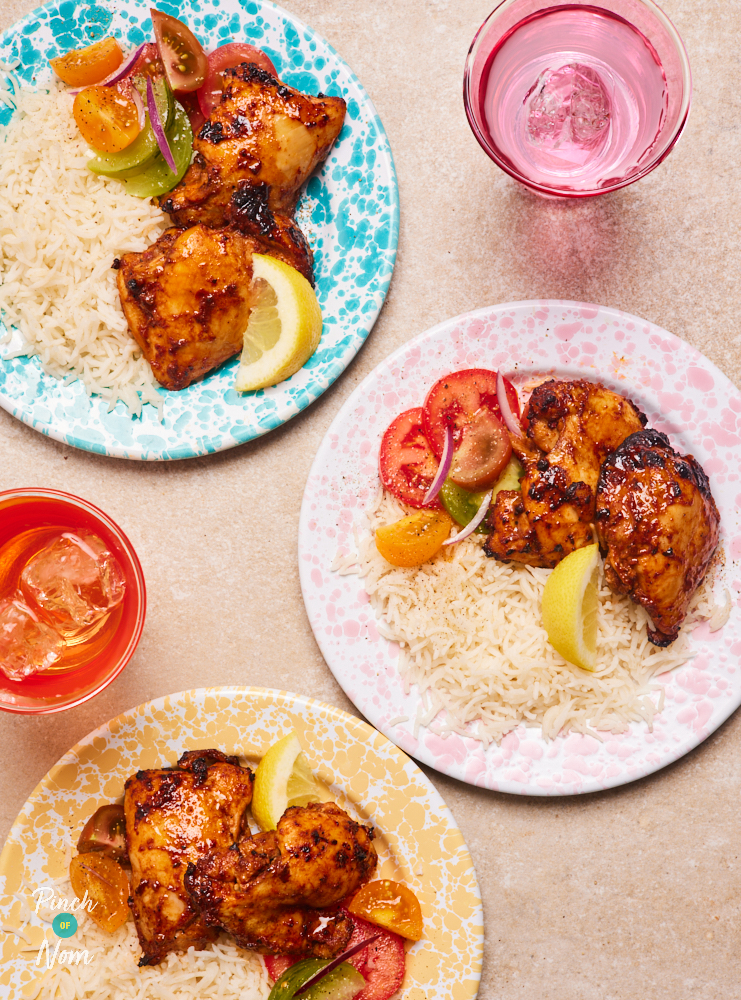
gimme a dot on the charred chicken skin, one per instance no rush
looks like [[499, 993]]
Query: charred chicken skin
[[187, 300], [262, 133], [659, 525], [174, 817], [278, 892], [277, 235], [570, 429]]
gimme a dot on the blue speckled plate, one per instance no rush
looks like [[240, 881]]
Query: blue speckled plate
[[349, 210]]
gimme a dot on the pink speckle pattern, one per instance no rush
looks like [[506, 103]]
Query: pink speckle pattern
[[682, 394]]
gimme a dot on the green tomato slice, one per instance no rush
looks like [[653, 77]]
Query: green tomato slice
[[342, 983], [157, 178], [144, 148], [463, 505]]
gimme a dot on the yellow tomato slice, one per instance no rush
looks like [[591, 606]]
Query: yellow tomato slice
[[108, 121], [83, 67], [106, 886], [414, 539], [389, 905]]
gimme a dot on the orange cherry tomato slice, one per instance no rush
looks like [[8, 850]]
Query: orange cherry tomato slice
[[389, 905], [83, 67], [108, 121], [106, 886], [414, 539]]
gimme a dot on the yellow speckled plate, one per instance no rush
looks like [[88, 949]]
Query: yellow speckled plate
[[418, 842]]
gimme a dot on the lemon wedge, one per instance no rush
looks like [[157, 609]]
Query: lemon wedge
[[283, 778], [284, 327], [569, 607]]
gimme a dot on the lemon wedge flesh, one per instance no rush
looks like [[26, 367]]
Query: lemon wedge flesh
[[283, 778], [284, 327], [569, 607]]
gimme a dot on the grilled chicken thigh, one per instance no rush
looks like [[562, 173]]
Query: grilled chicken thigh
[[174, 817], [659, 524], [187, 300], [262, 132], [570, 428], [268, 891]]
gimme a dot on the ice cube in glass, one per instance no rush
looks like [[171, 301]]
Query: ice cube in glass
[[75, 580], [27, 645], [569, 106]]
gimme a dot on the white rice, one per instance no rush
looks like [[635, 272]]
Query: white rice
[[61, 227], [471, 639], [221, 970]]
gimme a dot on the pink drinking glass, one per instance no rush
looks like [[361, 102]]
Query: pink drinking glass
[[580, 98]]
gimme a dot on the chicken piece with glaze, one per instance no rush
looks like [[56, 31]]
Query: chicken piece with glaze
[[277, 892], [570, 428], [187, 300], [659, 525], [174, 817], [262, 133]]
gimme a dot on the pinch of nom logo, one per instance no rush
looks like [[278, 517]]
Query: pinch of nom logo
[[64, 925]]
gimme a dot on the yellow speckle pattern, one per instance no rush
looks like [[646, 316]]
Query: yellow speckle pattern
[[417, 840]]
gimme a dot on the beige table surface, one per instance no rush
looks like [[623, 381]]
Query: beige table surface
[[633, 893]]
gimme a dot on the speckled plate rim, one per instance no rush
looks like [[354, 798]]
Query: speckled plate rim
[[366, 772], [539, 336], [351, 301]]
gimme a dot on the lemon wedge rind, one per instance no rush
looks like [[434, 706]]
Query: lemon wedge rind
[[284, 328], [283, 778], [570, 604]]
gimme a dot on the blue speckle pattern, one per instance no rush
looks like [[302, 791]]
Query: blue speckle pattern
[[349, 211]]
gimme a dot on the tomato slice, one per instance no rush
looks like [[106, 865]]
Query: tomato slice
[[406, 462], [183, 57], [466, 401], [390, 905], [454, 399], [106, 885], [83, 67], [483, 453], [277, 965], [413, 540], [381, 964], [193, 110], [225, 57], [108, 121]]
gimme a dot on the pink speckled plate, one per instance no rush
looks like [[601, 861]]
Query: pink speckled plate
[[683, 395]]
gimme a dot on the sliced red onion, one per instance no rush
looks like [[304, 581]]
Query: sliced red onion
[[335, 962], [443, 468], [159, 132], [510, 420], [136, 97], [124, 69], [472, 525], [118, 74]]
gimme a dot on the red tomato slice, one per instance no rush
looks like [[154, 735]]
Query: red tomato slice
[[466, 401], [193, 110], [183, 57], [225, 57], [277, 965], [382, 963], [406, 462]]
